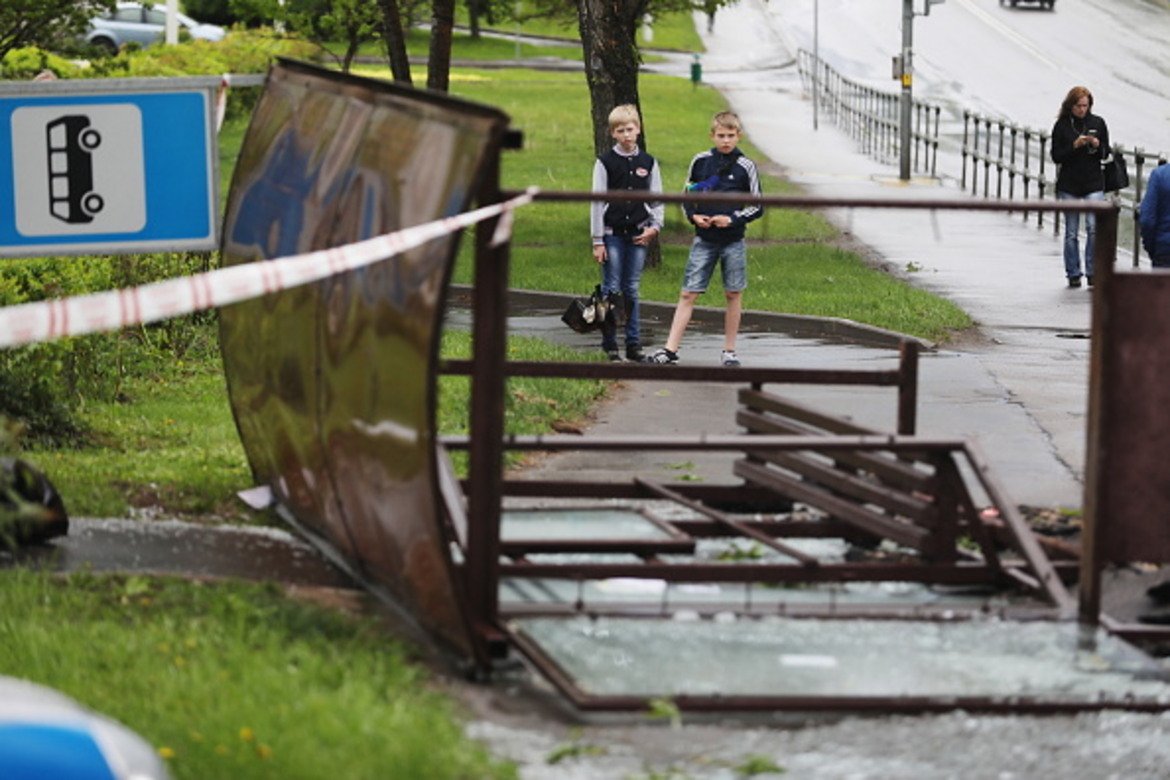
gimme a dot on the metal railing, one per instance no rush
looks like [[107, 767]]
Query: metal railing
[[871, 116], [999, 158], [1003, 160]]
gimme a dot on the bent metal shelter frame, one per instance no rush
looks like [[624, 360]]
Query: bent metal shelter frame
[[333, 386]]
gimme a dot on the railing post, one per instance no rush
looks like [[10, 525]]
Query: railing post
[[986, 157], [485, 471], [1012, 164], [1139, 160], [966, 138], [1041, 182], [934, 150], [999, 164], [907, 387], [1095, 531]]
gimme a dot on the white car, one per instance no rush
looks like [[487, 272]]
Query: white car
[[144, 24]]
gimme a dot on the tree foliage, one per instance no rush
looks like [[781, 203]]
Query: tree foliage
[[352, 22], [47, 24]]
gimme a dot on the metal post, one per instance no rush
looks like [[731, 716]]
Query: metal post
[[171, 29], [907, 91], [907, 387], [1095, 529], [485, 473]]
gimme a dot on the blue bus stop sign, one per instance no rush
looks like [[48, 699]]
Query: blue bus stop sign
[[115, 166]]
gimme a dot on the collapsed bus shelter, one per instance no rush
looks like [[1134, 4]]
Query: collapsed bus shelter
[[891, 588]]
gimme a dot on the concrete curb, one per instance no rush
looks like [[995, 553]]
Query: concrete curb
[[833, 329]]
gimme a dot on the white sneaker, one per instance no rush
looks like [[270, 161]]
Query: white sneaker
[[728, 358]]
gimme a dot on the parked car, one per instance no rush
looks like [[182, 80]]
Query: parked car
[[1045, 3], [144, 24]]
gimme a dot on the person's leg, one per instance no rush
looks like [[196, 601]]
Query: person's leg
[[611, 274], [681, 318], [731, 319], [1072, 247], [1091, 235], [734, 283], [697, 275], [634, 261]]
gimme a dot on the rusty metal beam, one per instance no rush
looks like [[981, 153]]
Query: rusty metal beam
[[714, 442], [903, 533], [730, 523], [1022, 536], [743, 374], [1101, 208], [889, 470]]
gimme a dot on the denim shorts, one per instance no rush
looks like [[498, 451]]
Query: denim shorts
[[701, 263]]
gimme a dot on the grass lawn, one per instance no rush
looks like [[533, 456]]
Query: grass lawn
[[237, 680]]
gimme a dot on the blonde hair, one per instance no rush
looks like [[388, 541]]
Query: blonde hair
[[624, 114], [726, 119]]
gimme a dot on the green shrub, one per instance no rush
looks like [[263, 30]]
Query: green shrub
[[24, 63], [42, 385]]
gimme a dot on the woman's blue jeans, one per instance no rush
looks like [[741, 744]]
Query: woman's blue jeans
[[1072, 227], [622, 271]]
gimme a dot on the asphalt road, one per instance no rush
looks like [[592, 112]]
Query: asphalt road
[[1015, 63]]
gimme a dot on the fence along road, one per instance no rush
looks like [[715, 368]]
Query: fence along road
[[988, 82]]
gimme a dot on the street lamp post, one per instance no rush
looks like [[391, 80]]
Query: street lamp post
[[171, 29], [907, 72]]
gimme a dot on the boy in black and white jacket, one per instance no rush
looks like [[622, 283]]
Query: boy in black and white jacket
[[622, 230]]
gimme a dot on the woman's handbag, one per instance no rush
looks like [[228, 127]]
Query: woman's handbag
[[1116, 174]]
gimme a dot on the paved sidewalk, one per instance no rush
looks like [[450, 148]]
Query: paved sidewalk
[[1022, 391]]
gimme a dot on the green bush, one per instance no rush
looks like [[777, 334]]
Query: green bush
[[27, 62], [241, 51], [42, 385]]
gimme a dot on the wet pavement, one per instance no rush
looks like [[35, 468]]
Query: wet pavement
[[172, 547]]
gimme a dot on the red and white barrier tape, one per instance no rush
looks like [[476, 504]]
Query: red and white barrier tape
[[225, 83], [29, 323]]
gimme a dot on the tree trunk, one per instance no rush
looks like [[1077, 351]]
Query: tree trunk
[[474, 10], [395, 41], [439, 58], [608, 39]]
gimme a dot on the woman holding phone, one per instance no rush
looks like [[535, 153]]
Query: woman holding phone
[[1080, 141]]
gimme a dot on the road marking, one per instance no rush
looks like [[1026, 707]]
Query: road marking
[[1006, 32]]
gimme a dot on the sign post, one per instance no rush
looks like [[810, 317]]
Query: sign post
[[108, 166]]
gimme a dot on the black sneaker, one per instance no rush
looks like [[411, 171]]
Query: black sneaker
[[663, 357], [1074, 281], [1089, 280], [634, 354], [613, 355]]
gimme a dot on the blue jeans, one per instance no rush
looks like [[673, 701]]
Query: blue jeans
[[622, 272], [1072, 247]]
